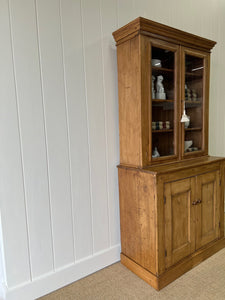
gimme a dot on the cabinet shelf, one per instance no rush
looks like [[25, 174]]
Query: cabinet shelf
[[190, 74], [193, 102], [193, 129], [162, 100], [160, 69], [162, 130]]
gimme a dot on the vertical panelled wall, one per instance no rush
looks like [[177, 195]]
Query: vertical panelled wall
[[59, 137], [59, 143]]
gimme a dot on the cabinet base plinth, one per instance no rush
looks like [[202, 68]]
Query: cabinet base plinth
[[186, 264]]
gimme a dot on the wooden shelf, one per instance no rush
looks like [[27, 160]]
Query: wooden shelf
[[193, 75], [160, 69], [162, 130], [162, 100], [193, 129], [193, 102]]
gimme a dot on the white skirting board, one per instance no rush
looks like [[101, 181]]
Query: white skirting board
[[64, 276]]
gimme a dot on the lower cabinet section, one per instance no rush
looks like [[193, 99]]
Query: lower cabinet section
[[191, 213], [170, 220]]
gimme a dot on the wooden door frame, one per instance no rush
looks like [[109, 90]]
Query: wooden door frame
[[154, 42], [205, 105]]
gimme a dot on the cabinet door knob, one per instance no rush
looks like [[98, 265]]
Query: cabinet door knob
[[199, 201], [194, 202]]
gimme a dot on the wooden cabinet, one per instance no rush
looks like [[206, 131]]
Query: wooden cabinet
[[171, 190]]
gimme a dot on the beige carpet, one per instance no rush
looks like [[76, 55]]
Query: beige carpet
[[206, 281]]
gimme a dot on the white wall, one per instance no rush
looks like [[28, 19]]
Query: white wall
[[59, 131]]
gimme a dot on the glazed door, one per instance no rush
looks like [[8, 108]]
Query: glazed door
[[194, 99], [207, 208], [164, 93], [179, 220]]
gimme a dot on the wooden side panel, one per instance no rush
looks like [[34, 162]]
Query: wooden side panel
[[221, 205], [138, 217], [179, 220], [207, 210], [129, 102], [145, 52]]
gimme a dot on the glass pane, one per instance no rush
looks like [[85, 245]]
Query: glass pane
[[162, 102], [194, 70]]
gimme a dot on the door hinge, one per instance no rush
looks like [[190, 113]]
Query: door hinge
[[165, 252], [164, 199]]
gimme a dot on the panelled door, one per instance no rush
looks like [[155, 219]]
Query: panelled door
[[179, 220], [207, 208], [191, 214]]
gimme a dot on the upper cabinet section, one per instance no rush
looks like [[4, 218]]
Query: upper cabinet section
[[163, 83]]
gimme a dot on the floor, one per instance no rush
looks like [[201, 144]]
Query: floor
[[205, 282]]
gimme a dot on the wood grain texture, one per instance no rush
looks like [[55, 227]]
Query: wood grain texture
[[222, 194], [179, 231], [138, 217], [208, 210], [129, 90], [146, 112]]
